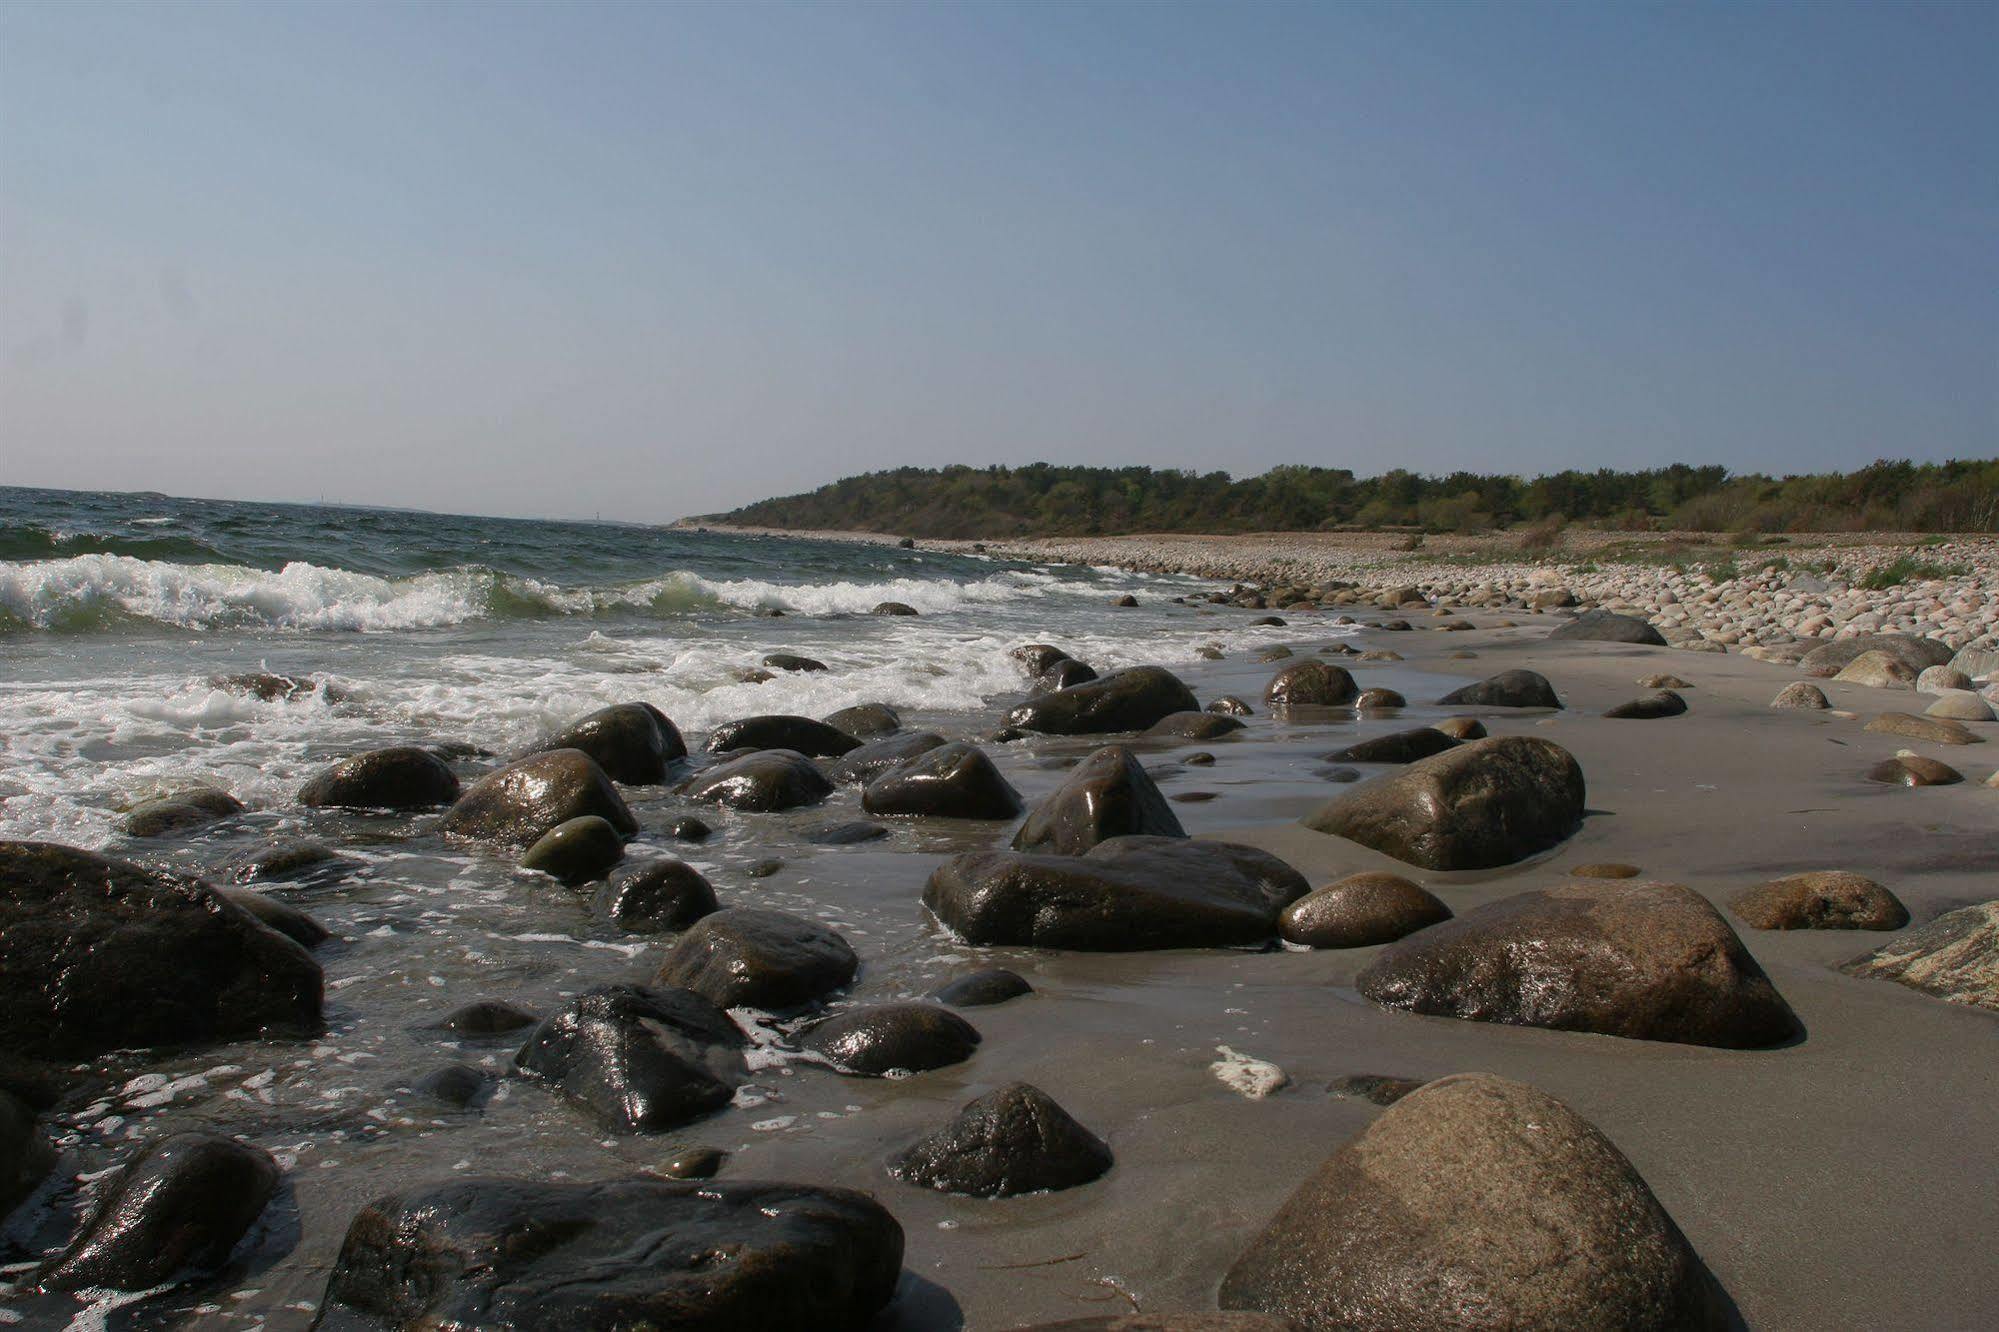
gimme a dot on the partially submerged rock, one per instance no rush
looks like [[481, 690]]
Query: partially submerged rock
[[753, 957], [1476, 1202], [1820, 900], [1310, 684], [1193, 726], [800, 735], [1011, 1141], [863, 765], [865, 720], [1125, 894], [1801, 695], [1664, 703], [632, 742], [576, 851], [950, 781], [637, 1252], [285, 919], [656, 897], [1126, 700], [1914, 770], [1954, 957], [879, 1039], [1481, 805], [98, 955], [1360, 911], [521, 802], [180, 811], [1396, 747], [1107, 795], [762, 782], [400, 777], [1508, 689], [640, 1060], [1647, 961], [179, 1205], [980, 989]]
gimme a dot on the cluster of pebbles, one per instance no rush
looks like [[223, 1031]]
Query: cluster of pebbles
[[1538, 1218]]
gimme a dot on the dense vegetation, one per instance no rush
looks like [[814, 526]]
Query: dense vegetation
[[1042, 500]]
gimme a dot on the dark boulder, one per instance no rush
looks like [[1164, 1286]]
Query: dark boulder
[[695, 1163], [954, 781], [1647, 961], [1193, 726], [1170, 1322], [640, 1060], [1036, 658], [1917, 654], [1360, 911], [689, 829], [995, 985], [1107, 795], [458, 1086], [893, 608], [98, 955], [1478, 806], [1914, 770], [1508, 689], [1228, 705], [632, 742], [1665, 703], [1378, 700], [878, 1039], [400, 777], [761, 782], [752, 957], [791, 661], [1601, 626], [484, 1018], [656, 897], [516, 805], [180, 811], [845, 834], [577, 851], [865, 720], [1126, 894], [1396, 747], [1820, 900], [289, 860], [1310, 684], [1063, 674], [1461, 728], [1476, 1202], [801, 735], [180, 1205], [871, 760], [286, 920], [1126, 700], [536, 1255], [1007, 1142]]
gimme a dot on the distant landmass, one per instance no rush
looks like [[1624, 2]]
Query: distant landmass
[[1045, 500]]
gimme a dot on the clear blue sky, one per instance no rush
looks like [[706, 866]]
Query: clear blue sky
[[653, 260]]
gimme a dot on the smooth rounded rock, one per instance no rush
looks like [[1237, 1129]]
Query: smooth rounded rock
[[656, 897], [181, 811], [632, 742], [865, 721], [1665, 703], [878, 1039], [1913, 770], [1108, 794], [1396, 747], [484, 1018], [520, 803], [640, 1060], [863, 765], [1508, 689], [1801, 695], [753, 957], [1011, 1141], [980, 989], [1310, 684], [1360, 911], [762, 782], [1602, 626], [285, 919], [402, 777], [1193, 726], [956, 781], [800, 735], [1820, 900], [1127, 700], [577, 851]]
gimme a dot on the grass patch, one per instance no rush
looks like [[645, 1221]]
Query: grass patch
[[1905, 569]]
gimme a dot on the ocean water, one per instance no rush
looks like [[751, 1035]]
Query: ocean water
[[118, 614], [121, 617]]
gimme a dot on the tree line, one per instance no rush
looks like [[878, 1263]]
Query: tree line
[[1045, 500]]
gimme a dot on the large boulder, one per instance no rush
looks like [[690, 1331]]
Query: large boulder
[[640, 1060], [878, 1039], [555, 1256], [1007, 1142], [1481, 805], [1063, 674], [401, 777], [1126, 700], [1877, 670], [1360, 911], [518, 804], [753, 957], [1036, 658], [99, 955], [1106, 795], [1475, 1202], [861, 766], [656, 897], [762, 782], [954, 781], [1508, 689], [1820, 900], [1648, 961], [1601, 626], [801, 735], [1914, 653], [180, 1205], [864, 720], [577, 851], [180, 811], [1310, 684], [1954, 957], [632, 742], [1126, 894]]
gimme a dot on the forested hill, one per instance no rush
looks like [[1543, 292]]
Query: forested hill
[[1042, 500]]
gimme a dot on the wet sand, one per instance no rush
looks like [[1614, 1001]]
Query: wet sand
[[1844, 1180]]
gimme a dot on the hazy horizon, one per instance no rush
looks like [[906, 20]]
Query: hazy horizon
[[555, 261]]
